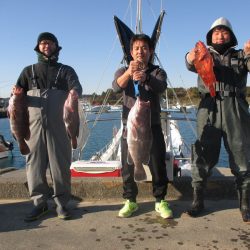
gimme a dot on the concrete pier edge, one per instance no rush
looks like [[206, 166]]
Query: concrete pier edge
[[13, 185]]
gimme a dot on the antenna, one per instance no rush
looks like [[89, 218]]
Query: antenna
[[138, 28]]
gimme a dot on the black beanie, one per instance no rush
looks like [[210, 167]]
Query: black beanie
[[46, 36]]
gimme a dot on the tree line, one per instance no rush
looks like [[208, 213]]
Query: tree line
[[181, 95]]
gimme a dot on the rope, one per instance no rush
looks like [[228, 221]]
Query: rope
[[102, 108], [109, 57], [187, 92], [175, 95]]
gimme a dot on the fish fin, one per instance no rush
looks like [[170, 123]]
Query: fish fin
[[27, 137], [134, 133], [140, 174], [146, 161], [129, 159]]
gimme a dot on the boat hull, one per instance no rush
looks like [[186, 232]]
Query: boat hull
[[4, 154]]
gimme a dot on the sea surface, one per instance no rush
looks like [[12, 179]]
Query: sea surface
[[100, 135]]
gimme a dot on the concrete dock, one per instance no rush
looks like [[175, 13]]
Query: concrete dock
[[95, 225], [13, 185]]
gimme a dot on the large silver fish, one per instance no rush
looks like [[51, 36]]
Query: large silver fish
[[19, 118], [139, 137], [71, 117]]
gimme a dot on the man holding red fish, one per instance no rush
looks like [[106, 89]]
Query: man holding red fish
[[223, 112], [47, 85], [150, 81]]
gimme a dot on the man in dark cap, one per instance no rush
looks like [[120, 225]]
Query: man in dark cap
[[224, 116], [47, 84]]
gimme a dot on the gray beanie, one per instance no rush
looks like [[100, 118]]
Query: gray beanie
[[221, 22]]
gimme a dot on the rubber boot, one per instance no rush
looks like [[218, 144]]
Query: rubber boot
[[244, 204], [198, 203]]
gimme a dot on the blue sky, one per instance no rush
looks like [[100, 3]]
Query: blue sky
[[86, 32]]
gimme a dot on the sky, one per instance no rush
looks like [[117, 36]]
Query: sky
[[87, 35]]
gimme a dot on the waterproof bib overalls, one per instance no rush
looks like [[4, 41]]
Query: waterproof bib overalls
[[49, 146], [224, 116], [229, 119]]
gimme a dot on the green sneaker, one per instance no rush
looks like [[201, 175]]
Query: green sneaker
[[128, 209], [163, 209]]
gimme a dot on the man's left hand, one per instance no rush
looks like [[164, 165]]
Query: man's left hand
[[247, 48], [139, 76]]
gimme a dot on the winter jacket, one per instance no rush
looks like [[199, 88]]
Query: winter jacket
[[230, 71], [49, 75], [157, 83]]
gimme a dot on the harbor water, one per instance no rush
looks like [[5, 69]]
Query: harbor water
[[100, 135]]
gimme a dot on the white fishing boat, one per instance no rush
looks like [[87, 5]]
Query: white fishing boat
[[107, 162], [100, 108], [3, 152], [115, 108]]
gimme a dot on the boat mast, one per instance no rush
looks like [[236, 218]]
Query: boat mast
[[138, 18]]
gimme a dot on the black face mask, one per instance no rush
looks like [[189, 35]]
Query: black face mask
[[52, 58], [221, 48]]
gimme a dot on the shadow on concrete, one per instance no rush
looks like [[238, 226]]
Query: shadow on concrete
[[12, 217], [179, 207], [12, 213], [218, 187]]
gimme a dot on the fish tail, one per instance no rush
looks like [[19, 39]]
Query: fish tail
[[27, 136], [140, 174], [129, 159], [74, 143], [24, 149]]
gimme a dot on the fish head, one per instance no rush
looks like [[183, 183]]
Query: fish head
[[71, 101], [73, 94], [200, 50], [142, 109], [17, 98], [16, 90], [143, 105]]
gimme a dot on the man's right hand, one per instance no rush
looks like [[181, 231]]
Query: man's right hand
[[191, 56], [133, 67]]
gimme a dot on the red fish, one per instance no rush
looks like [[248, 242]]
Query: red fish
[[19, 118], [139, 137], [71, 117], [203, 63]]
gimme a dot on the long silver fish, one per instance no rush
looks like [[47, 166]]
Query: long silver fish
[[139, 137], [71, 117], [19, 118]]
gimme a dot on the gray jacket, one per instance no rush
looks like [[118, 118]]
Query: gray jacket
[[157, 84], [230, 71]]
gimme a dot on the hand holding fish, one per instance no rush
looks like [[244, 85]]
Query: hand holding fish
[[191, 56], [247, 48], [139, 76], [137, 71], [135, 66]]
